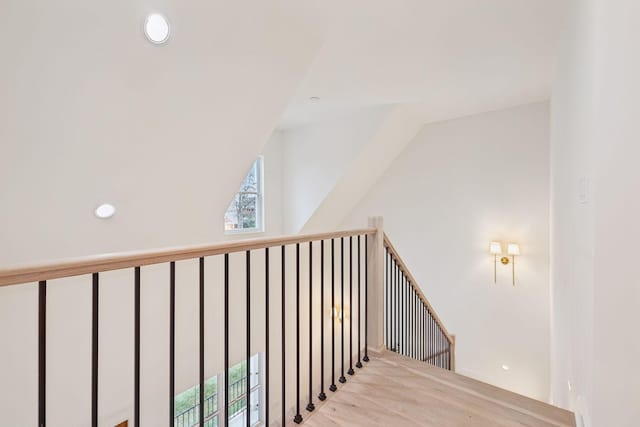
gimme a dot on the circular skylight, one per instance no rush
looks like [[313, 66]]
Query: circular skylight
[[105, 211], [156, 28]]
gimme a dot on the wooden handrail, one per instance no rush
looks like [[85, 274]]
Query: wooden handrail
[[414, 284], [117, 261]]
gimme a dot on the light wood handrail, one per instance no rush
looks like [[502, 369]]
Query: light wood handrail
[[414, 284], [117, 261]]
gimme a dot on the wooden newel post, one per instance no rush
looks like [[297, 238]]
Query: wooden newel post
[[452, 354], [375, 271]]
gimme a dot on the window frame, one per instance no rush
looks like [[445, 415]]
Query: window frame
[[215, 416], [260, 211]]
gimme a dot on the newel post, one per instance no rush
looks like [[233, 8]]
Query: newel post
[[375, 270]]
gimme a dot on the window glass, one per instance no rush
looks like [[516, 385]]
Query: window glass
[[245, 211]]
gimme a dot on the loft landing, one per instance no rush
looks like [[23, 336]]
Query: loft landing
[[396, 391]]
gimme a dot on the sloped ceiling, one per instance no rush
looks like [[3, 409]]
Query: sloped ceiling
[[92, 112], [424, 60], [449, 58]]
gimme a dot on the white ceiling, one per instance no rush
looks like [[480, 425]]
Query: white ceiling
[[447, 58]]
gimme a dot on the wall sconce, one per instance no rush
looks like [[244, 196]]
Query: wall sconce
[[513, 249], [495, 249]]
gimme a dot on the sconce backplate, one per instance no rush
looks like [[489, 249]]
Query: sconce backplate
[[504, 260]]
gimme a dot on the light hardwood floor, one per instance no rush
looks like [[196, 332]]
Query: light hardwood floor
[[395, 391]]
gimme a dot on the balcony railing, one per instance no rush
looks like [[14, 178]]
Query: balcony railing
[[296, 281]]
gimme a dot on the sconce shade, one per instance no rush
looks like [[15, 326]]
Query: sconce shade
[[495, 248], [513, 249]]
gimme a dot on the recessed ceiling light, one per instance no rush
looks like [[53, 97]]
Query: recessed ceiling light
[[156, 28], [105, 211], [505, 367], [314, 98]]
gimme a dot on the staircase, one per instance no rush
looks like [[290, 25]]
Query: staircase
[[398, 391], [311, 307]]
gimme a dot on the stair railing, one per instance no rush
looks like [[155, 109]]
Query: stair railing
[[329, 296], [338, 271], [411, 326]]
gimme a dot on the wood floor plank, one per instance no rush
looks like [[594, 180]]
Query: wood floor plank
[[395, 391]]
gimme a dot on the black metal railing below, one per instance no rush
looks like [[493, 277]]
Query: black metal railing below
[[323, 268], [411, 326], [351, 308]]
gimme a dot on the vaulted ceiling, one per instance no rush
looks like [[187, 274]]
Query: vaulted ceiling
[[445, 58]]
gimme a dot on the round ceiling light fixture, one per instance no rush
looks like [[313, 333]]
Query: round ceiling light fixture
[[156, 28], [105, 211]]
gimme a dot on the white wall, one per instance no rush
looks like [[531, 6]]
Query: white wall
[[92, 112], [316, 156], [572, 217], [595, 283], [459, 185]]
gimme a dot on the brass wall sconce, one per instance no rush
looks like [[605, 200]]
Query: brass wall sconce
[[513, 250]]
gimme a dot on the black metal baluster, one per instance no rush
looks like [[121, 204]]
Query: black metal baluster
[[425, 344], [405, 316], [334, 313], [428, 335], [226, 340], [350, 371], [430, 347], [366, 298], [419, 344], [283, 317], [266, 330], [385, 303], [407, 307], [136, 363], [342, 378], [201, 284], [422, 330], [407, 313], [298, 418], [389, 290], [440, 348], [398, 309], [401, 309], [94, 351], [322, 396], [394, 306], [42, 353], [433, 339], [248, 344], [310, 405], [410, 319], [416, 324], [172, 341], [359, 363], [414, 338]]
